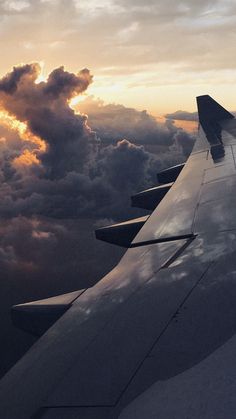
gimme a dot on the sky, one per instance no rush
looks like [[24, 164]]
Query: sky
[[95, 99], [154, 54]]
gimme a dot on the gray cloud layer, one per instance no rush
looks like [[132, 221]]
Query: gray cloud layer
[[112, 122]]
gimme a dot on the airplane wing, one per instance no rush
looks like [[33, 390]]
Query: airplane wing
[[155, 338]]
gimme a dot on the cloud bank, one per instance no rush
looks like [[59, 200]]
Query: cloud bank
[[113, 122], [62, 169]]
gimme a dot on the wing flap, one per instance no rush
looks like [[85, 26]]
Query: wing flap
[[150, 198], [121, 234], [37, 316], [170, 174]]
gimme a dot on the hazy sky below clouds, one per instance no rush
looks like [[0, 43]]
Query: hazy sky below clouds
[[149, 54]]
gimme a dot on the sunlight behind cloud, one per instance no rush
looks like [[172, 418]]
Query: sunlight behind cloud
[[10, 122]]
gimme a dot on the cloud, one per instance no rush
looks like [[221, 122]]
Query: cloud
[[35, 247], [183, 116], [75, 174], [113, 122], [185, 141], [44, 106]]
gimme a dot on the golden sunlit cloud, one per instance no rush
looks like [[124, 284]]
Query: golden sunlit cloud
[[27, 158], [10, 122]]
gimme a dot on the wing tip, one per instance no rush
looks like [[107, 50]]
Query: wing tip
[[210, 110]]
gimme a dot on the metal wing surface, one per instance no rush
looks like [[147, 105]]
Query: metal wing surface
[[155, 338]]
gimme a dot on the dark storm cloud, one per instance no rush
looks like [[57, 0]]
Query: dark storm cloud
[[76, 176], [113, 122], [44, 106], [9, 83]]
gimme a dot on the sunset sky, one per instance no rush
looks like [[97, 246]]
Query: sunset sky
[[154, 54]]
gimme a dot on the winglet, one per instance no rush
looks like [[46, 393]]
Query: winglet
[[210, 111]]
